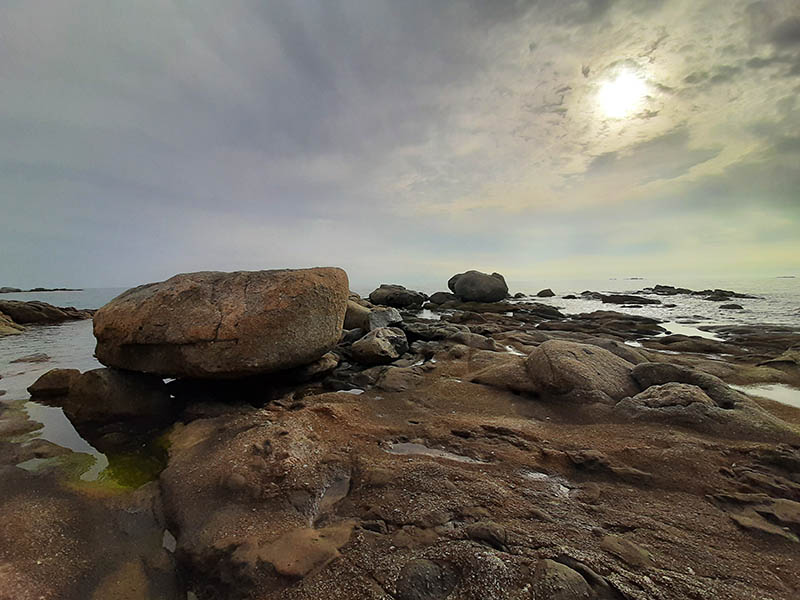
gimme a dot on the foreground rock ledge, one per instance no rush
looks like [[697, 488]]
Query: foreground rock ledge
[[224, 325]]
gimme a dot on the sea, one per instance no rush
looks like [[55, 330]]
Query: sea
[[71, 345]]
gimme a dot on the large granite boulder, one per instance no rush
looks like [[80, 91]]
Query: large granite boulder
[[224, 325], [396, 295], [40, 312], [474, 286], [562, 367]]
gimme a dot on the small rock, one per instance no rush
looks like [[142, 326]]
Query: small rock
[[631, 553], [732, 306], [32, 358], [546, 293], [423, 579], [380, 346], [555, 581], [56, 382]]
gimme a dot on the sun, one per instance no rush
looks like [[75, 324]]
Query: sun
[[622, 96]]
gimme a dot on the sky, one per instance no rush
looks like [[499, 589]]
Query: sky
[[403, 141]]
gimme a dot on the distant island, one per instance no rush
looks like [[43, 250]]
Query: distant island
[[13, 290]]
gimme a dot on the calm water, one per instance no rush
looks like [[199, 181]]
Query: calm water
[[71, 345]]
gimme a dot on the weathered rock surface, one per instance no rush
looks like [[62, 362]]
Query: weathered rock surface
[[474, 286], [38, 312], [397, 296], [56, 382], [224, 325], [8, 326], [647, 374], [380, 346], [561, 367], [689, 406]]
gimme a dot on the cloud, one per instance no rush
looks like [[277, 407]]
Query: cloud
[[162, 135]]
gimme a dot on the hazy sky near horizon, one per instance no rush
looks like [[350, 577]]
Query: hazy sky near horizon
[[404, 141]]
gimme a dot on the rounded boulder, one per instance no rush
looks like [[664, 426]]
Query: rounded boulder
[[474, 286], [224, 325]]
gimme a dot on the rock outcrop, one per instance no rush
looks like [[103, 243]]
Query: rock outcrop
[[8, 326], [36, 312], [474, 286], [562, 367], [224, 325]]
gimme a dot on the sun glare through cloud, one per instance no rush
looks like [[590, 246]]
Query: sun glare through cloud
[[623, 95]]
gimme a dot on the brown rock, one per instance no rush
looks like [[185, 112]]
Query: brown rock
[[556, 581], [56, 382], [224, 325], [562, 367]]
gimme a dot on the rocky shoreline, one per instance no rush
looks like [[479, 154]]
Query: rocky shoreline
[[323, 445]]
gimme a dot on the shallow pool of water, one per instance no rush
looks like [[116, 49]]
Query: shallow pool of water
[[420, 449], [675, 328], [785, 394]]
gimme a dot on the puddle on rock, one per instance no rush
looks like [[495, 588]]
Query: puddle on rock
[[408, 448], [553, 483], [779, 392], [514, 351], [675, 328]]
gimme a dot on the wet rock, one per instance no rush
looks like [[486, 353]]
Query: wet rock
[[104, 395], [519, 295], [8, 326], [570, 297], [546, 293], [647, 374], [627, 299], [474, 286], [732, 307], [380, 346], [56, 382], [556, 581], [224, 325], [397, 296], [423, 579], [39, 357], [606, 322], [38, 312], [442, 297], [561, 367]]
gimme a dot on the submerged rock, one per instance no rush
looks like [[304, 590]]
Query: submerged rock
[[627, 299], [224, 325], [562, 367]]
